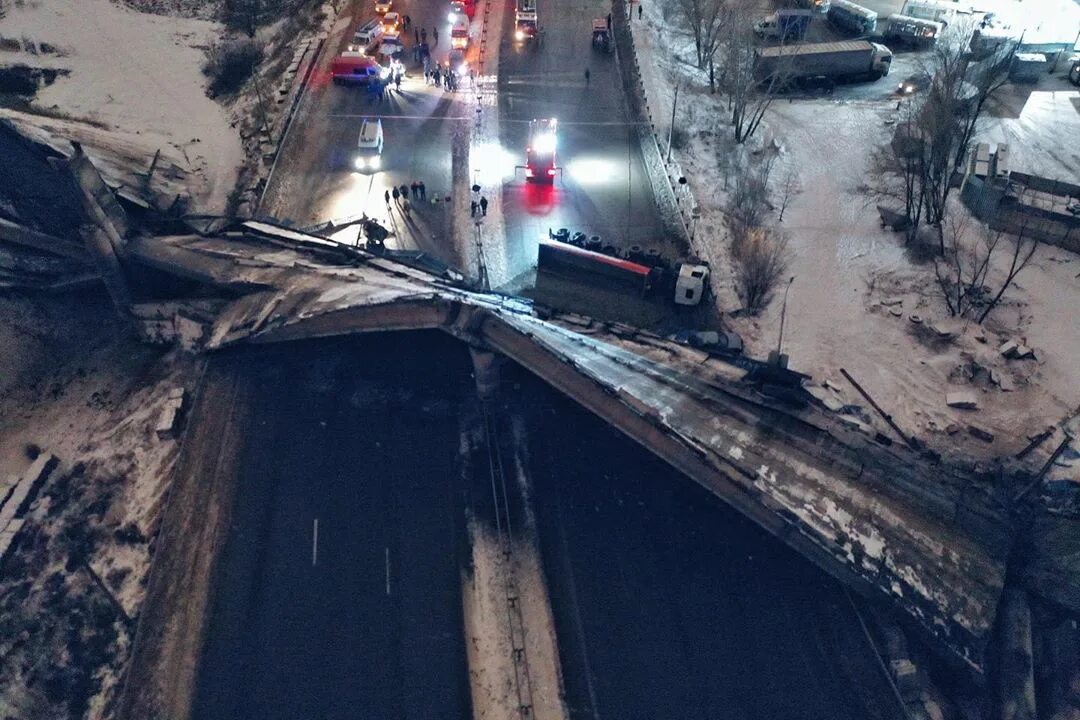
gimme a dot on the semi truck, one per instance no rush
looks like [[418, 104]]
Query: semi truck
[[785, 24], [848, 60]]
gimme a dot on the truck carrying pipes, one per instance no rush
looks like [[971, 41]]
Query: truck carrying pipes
[[844, 61]]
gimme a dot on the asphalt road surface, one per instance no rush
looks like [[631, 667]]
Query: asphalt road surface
[[339, 595], [314, 180], [670, 605], [602, 188]]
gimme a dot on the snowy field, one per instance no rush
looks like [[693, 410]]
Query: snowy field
[[134, 82], [855, 286]]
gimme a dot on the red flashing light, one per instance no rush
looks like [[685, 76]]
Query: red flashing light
[[551, 171]]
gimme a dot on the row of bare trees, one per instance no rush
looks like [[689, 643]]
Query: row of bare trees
[[724, 44], [934, 133], [919, 169]]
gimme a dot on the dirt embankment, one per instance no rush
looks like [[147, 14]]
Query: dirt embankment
[[167, 649], [75, 383]]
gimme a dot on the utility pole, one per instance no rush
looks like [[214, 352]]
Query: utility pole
[[671, 129], [783, 314]]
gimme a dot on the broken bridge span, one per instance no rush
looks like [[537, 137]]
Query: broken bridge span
[[895, 525]]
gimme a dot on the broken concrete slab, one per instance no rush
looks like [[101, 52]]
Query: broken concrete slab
[[26, 489], [1016, 351], [8, 535], [980, 434], [891, 301], [963, 399], [172, 410]]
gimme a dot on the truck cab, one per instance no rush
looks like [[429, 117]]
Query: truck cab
[[459, 34], [540, 152], [601, 35], [525, 22], [369, 146], [785, 24]]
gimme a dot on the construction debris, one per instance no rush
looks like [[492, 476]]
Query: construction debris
[[172, 411], [963, 399], [1016, 351], [16, 501], [980, 434]]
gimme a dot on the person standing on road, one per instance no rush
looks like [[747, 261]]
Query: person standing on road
[[587, 76], [396, 194], [415, 187], [405, 207], [416, 37], [404, 191], [423, 190], [483, 206], [397, 82], [423, 35], [435, 35], [640, 8], [609, 21], [408, 22], [386, 195], [472, 209]]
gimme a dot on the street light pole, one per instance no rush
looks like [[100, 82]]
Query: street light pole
[[783, 315], [671, 129]]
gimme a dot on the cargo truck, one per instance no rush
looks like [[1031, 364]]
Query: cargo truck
[[845, 61], [785, 24]]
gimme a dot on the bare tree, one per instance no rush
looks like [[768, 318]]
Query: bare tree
[[1023, 248], [707, 21], [243, 15], [985, 78], [789, 188], [761, 260], [961, 271], [748, 200], [750, 89]]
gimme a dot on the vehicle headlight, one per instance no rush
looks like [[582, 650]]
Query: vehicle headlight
[[376, 162], [358, 163], [519, 35], [450, 17]]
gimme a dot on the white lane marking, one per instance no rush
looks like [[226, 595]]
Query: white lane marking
[[387, 571], [315, 542], [351, 116]]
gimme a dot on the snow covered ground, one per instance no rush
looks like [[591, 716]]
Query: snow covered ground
[[855, 287], [134, 81]]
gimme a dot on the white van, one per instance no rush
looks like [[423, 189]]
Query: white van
[[368, 33], [369, 146]]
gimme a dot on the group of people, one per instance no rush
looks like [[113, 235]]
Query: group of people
[[400, 195], [479, 206], [442, 77]]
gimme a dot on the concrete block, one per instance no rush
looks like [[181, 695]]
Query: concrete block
[[963, 399], [168, 425], [1008, 349], [980, 434]]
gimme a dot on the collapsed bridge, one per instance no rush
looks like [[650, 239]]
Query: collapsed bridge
[[884, 520]]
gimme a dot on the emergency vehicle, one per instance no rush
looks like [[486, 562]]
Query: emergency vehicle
[[356, 68], [540, 152], [383, 6], [369, 146], [525, 21], [459, 34]]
